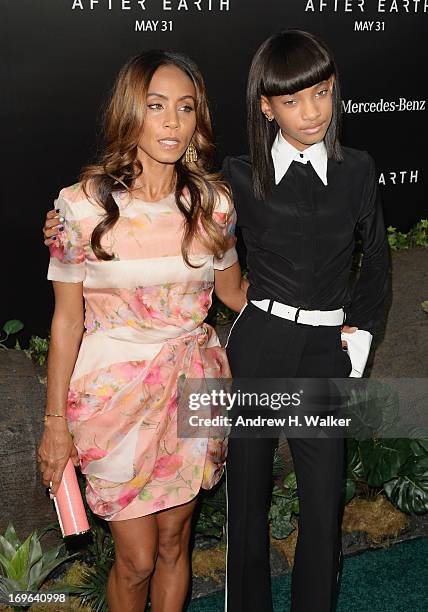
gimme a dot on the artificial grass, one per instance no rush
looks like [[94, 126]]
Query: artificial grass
[[393, 579]]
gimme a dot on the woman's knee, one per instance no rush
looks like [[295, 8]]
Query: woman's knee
[[174, 544], [134, 568]]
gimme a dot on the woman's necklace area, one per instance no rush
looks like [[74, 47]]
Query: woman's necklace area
[[139, 193]]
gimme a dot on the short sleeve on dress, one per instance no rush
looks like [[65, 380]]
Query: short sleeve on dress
[[67, 253], [225, 215]]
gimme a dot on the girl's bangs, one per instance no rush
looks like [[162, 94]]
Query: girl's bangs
[[291, 71]]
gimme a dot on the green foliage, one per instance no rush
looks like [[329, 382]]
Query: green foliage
[[24, 566], [101, 546], [223, 314], [92, 589], [377, 459], [397, 466], [397, 240], [91, 586], [212, 515], [417, 236], [13, 326], [38, 349], [409, 489], [285, 503]]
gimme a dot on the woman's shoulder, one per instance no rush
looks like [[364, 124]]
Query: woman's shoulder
[[78, 201]]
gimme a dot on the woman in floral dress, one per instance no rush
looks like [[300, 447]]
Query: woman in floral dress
[[146, 233]]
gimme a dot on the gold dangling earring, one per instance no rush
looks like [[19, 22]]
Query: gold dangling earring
[[191, 154]]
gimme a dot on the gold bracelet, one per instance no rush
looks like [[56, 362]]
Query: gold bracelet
[[45, 418]]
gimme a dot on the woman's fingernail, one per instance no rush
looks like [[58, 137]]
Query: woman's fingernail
[[62, 219], [53, 237], [57, 210], [61, 229]]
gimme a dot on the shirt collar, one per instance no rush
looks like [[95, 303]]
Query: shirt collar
[[283, 154]]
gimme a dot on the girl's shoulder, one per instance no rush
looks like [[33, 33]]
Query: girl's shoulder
[[237, 171], [237, 162], [357, 157]]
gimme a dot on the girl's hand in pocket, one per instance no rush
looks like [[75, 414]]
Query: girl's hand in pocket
[[347, 330]]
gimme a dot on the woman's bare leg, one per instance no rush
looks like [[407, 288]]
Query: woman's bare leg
[[170, 581], [136, 547]]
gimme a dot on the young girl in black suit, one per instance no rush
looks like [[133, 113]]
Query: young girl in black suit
[[300, 199]]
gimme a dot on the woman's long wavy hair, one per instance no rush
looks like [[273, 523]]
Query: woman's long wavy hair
[[118, 166], [286, 62]]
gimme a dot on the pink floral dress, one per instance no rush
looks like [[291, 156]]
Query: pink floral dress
[[144, 329]]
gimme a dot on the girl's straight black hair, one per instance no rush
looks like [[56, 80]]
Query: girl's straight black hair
[[286, 62]]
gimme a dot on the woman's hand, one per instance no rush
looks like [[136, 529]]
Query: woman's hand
[[52, 227], [347, 330], [56, 447]]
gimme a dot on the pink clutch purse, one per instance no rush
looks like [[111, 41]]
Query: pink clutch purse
[[69, 504]]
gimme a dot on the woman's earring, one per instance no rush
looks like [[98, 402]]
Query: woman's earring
[[268, 118], [191, 154]]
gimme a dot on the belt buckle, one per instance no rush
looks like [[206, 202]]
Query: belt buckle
[[296, 316]]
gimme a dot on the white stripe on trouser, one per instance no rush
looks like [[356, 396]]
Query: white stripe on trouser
[[233, 324], [227, 497]]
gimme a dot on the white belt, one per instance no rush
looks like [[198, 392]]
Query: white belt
[[306, 317]]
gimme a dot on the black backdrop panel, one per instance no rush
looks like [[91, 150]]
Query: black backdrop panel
[[60, 58]]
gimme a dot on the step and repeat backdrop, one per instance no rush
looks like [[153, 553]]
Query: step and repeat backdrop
[[60, 58]]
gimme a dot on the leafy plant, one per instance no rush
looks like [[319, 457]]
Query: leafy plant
[[92, 589], [13, 326], [417, 236], [409, 489], [397, 240], [223, 314], [397, 466], [101, 546], [212, 515], [38, 349], [24, 565], [91, 586], [285, 503]]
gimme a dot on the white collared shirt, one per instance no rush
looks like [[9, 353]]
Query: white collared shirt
[[283, 154]]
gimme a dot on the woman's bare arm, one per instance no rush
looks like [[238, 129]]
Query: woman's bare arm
[[67, 327]]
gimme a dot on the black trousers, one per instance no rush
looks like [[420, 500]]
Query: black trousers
[[264, 345]]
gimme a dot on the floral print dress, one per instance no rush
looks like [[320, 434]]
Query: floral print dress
[[144, 330]]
